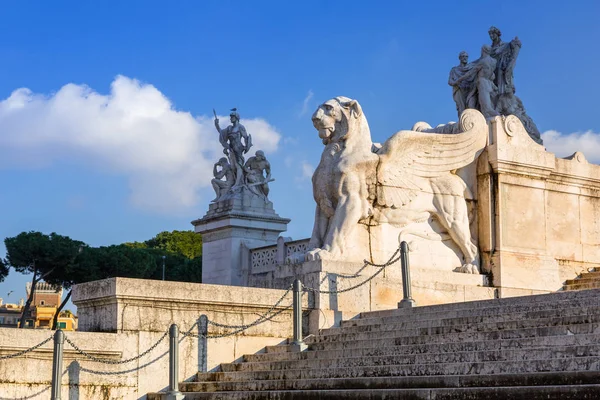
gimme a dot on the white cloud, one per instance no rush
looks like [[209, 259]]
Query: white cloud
[[306, 103], [564, 145], [134, 131], [288, 161]]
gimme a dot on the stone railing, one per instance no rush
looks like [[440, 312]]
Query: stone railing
[[267, 258]]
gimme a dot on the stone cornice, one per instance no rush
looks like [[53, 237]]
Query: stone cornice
[[241, 215]]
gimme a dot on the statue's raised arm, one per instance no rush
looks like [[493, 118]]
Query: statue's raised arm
[[231, 140]]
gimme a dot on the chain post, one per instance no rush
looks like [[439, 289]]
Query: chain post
[[203, 343], [57, 364], [407, 301], [297, 344], [174, 392]]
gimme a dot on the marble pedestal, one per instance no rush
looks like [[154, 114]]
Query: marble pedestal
[[243, 220], [538, 215]]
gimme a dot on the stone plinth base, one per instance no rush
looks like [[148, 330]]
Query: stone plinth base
[[242, 220], [429, 286]]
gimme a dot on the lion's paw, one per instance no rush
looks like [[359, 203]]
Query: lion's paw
[[468, 269]]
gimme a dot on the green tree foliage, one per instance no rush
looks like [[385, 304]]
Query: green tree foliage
[[177, 266], [4, 269], [95, 263], [186, 243], [46, 257], [182, 251], [62, 261]]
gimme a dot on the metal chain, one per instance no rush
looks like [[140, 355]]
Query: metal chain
[[20, 353], [388, 263], [115, 362], [381, 267], [91, 371], [31, 396], [242, 328], [263, 316]]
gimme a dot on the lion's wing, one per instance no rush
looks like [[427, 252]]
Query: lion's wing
[[408, 157]]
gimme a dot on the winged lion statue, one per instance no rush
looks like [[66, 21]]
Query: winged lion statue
[[410, 178]]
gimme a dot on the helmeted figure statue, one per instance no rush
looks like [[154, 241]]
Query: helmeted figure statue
[[231, 140]]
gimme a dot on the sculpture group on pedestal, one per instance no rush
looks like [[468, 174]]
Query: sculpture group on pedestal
[[487, 83], [231, 174]]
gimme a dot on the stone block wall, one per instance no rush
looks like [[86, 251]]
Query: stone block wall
[[538, 214], [121, 318]]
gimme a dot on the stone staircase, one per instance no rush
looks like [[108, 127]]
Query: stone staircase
[[587, 280], [535, 347]]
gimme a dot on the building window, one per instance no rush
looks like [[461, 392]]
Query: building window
[[2, 320], [29, 323], [42, 302], [62, 325]]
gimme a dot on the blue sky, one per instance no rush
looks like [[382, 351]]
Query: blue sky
[[105, 116]]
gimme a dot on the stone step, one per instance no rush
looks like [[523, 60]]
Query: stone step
[[444, 347], [564, 299], [394, 323], [404, 382], [591, 273], [579, 329], [572, 392], [281, 348], [490, 311], [462, 328], [583, 279], [549, 299], [460, 368], [426, 358], [583, 286]]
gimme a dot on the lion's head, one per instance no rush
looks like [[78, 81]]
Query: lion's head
[[333, 118]]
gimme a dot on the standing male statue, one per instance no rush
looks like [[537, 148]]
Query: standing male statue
[[482, 71], [505, 55], [231, 140], [256, 180], [508, 103], [460, 91], [222, 169]]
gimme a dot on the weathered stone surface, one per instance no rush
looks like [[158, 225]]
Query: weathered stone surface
[[537, 214], [24, 376], [124, 304], [543, 347], [382, 292], [132, 315]]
